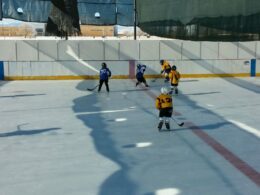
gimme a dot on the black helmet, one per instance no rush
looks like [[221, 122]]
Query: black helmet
[[104, 65], [161, 61], [174, 67]]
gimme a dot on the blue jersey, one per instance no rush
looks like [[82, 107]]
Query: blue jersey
[[140, 71], [104, 73]]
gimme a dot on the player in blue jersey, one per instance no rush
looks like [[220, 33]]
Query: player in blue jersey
[[104, 75], [140, 69]]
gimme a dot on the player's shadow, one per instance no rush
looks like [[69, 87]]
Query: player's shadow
[[129, 90], [27, 132], [104, 142], [189, 80], [21, 95], [204, 93], [2, 83], [187, 127]]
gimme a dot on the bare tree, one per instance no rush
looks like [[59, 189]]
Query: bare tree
[[63, 20]]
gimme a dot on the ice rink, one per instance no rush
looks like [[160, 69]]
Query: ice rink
[[57, 138]]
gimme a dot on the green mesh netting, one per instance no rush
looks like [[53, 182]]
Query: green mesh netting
[[218, 20]]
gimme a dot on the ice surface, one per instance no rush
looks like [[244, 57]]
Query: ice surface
[[58, 138]]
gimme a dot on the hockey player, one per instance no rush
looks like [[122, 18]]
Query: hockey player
[[140, 74], [165, 106], [165, 69], [104, 74], [174, 77]]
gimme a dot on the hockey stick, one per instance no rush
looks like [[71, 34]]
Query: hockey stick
[[180, 124], [154, 80], [158, 77], [91, 89]]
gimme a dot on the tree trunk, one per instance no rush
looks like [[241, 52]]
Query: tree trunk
[[63, 20]]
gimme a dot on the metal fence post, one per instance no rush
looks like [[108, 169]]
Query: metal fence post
[[253, 68], [2, 70]]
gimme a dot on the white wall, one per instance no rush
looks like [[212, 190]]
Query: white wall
[[83, 57]]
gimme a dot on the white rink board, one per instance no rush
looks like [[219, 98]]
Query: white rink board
[[7, 50], [48, 50], [27, 50], [200, 56]]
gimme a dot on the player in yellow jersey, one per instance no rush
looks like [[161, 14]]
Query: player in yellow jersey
[[165, 69], [174, 77], [164, 104]]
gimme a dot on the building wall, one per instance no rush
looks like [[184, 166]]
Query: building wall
[[74, 59]]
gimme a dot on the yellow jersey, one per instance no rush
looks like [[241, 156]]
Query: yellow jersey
[[174, 76], [166, 66], [164, 101]]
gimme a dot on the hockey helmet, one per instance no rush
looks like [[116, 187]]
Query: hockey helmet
[[161, 61], [164, 90], [174, 67], [104, 65]]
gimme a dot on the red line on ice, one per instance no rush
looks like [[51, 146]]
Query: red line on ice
[[242, 166]]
